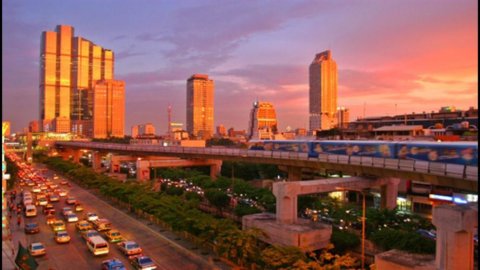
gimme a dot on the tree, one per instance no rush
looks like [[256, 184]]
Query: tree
[[217, 198]]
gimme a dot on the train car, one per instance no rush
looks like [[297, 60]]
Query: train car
[[353, 148], [464, 153]]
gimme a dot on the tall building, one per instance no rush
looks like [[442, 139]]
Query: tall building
[[108, 109], [200, 91], [69, 68], [263, 121], [323, 91], [343, 117]]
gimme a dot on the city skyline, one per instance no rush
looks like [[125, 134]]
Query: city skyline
[[404, 64]]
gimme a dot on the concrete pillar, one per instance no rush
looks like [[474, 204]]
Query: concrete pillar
[[96, 160], [389, 193], [455, 228], [286, 197], [143, 170], [76, 154], [115, 164], [294, 173], [215, 168]]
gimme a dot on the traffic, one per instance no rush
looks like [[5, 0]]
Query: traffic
[[54, 217]]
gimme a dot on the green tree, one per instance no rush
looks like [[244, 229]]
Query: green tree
[[217, 198]]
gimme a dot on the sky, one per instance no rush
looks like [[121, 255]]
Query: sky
[[393, 57]]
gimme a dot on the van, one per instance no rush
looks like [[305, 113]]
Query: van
[[102, 224], [97, 245], [30, 210]]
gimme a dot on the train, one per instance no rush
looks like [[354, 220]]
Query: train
[[463, 153]]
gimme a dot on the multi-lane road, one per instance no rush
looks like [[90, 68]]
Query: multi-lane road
[[75, 255]]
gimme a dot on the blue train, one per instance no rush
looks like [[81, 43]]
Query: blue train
[[464, 153]]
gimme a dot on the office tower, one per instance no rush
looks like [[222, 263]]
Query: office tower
[[343, 117], [323, 91], [69, 68], [134, 131], [108, 109], [200, 92], [263, 121]]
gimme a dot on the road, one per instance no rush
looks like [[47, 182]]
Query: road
[[75, 255]]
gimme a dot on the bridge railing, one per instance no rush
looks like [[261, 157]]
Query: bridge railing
[[435, 168]]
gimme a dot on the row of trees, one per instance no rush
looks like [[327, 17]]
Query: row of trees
[[181, 213]]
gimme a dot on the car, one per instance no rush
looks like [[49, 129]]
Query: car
[[66, 210], [37, 249], [62, 193], [42, 201], [53, 185], [58, 225], [89, 233], [30, 183], [129, 248], [63, 182], [427, 234], [50, 219], [32, 227], [113, 264], [71, 217], [142, 262], [78, 207], [91, 216], [54, 198], [36, 189], [71, 200], [47, 207], [83, 225], [62, 237], [114, 236], [102, 224]]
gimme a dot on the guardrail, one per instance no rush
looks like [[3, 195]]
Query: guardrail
[[451, 170]]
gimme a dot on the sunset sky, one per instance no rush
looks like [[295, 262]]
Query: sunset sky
[[419, 55]]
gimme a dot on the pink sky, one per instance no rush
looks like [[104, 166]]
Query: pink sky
[[419, 55]]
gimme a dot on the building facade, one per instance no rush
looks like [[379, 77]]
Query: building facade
[[69, 69], [263, 121], [343, 117], [323, 92], [108, 109], [143, 129], [200, 106]]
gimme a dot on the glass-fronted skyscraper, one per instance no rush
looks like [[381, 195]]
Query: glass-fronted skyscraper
[[200, 90], [69, 68], [323, 91]]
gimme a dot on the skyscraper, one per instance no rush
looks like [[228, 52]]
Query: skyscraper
[[200, 92], [69, 68], [108, 109], [263, 121], [323, 91]]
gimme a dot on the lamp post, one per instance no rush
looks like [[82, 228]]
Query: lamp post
[[363, 229]]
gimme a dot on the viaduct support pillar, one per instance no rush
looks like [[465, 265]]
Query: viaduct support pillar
[[455, 228], [115, 164], [76, 154], [96, 160], [286, 197], [143, 170], [215, 168], [389, 193]]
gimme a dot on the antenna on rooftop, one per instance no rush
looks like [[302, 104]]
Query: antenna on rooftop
[[169, 135]]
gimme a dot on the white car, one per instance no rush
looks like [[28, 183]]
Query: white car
[[91, 216], [71, 217], [37, 249], [66, 211], [62, 193]]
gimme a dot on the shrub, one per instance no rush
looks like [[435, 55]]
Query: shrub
[[407, 241], [217, 198], [343, 240], [244, 209]]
